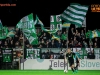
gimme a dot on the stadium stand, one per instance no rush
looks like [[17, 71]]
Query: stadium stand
[[76, 38], [52, 48]]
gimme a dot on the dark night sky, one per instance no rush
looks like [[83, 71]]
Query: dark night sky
[[11, 15]]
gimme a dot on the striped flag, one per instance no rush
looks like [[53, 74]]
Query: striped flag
[[75, 14]]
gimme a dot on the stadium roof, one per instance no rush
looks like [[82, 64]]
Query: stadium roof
[[11, 15]]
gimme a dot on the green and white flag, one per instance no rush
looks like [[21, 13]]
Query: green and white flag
[[26, 22], [31, 36], [38, 21], [55, 22], [83, 24], [93, 34], [28, 28], [75, 14], [3, 31]]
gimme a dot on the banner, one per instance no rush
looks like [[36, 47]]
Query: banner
[[57, 64], [33, 53], [55, 22], [7, 55], [66, 25]]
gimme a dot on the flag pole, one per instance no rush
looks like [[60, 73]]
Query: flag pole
[[23, 51], [67, 45], [23, 47], [23, 44], [65, 52], [85, 30]]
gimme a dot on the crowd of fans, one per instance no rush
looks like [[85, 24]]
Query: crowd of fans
[[76, 38]]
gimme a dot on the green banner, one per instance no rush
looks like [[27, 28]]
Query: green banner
[[32, 53], [7, 55]]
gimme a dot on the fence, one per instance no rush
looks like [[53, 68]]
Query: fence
[[17, 54]]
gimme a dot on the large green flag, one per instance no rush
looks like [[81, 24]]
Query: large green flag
[[55, 22], [31, 36], [75, 14], [28, 28], [3, 31]]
